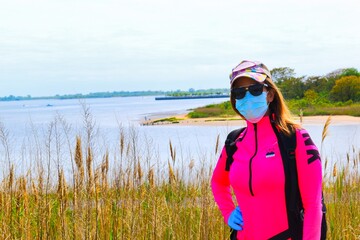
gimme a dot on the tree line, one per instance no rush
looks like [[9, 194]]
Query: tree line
[[89, 95], [341, 85], [338, 86]]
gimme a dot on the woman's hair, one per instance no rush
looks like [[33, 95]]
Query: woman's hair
[[279, 112]]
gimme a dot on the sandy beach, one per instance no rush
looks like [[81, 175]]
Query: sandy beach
[[236, 121]]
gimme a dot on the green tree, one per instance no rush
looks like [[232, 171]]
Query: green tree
[[281, 74], [350, 72], [292, 88], [346, 88], [318, 84], [311, 96]]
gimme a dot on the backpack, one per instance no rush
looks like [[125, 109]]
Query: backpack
[[295, 211]]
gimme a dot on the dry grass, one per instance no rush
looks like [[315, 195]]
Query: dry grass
[[127, 194], [342, 196]]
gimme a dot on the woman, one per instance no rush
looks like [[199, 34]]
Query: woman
[[257, 174]]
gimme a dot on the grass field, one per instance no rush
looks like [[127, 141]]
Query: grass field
[[296, 106], [123, 195]]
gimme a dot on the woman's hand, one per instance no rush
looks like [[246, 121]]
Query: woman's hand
[[235, 220]]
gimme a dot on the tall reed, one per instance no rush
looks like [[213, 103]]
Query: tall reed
[[342, 193], [123, 191]]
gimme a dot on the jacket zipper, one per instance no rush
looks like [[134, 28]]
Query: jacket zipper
[[250, 163]]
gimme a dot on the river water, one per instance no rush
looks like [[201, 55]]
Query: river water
[[28, 123]]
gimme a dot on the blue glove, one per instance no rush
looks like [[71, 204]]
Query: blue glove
[[235, 220]]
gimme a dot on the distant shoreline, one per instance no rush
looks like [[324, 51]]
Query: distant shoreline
[[182, 120], [166, 93], [82, 96]]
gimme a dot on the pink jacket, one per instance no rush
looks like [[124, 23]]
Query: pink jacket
[[258, 181]]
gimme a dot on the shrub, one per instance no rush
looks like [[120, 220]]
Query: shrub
[[346, 88], [197, 115]]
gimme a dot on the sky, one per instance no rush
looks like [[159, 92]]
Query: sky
[[82, 46]]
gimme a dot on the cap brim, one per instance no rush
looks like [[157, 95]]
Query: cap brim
[[259, 77]]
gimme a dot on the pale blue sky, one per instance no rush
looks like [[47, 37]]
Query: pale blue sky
[[81, 46]]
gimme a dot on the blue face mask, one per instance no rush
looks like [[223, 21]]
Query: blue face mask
[[252, 108]]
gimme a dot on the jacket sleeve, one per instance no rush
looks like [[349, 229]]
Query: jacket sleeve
[[220, 185], [310, 183]]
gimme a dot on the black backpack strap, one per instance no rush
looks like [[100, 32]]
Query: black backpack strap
[[287, 146], [230, 146], [323, 220], [295, 212], [233, 234], [288, 143]]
